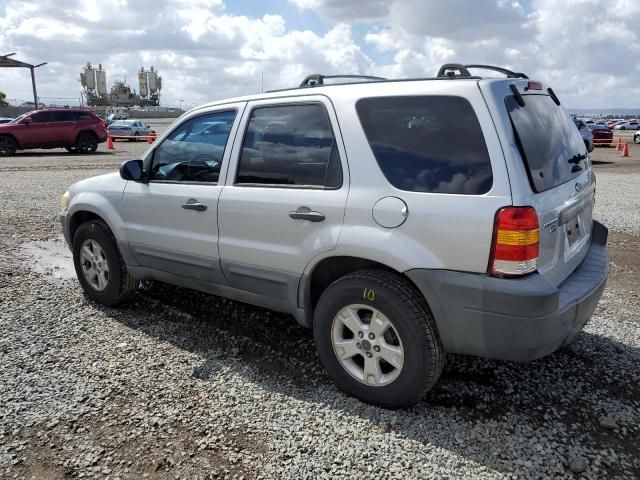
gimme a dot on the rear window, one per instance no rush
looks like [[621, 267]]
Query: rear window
[[548, 141], [427, 143]]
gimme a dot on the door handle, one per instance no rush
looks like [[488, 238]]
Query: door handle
[[193, 204], [305, 213]]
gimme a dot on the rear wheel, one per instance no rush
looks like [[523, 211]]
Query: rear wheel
[[86, 143], [377, 339], [8, 146], [99, 266]]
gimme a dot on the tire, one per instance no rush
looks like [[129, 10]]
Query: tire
[[412, 331], [636, 139], [136, 134], [119, 286], [86, 143], [8, 146]]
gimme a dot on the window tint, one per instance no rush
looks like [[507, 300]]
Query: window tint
[[42, 117], [290, 145], [427, 143], [547, 141], [83, 116], [59, 116], [193, 152]]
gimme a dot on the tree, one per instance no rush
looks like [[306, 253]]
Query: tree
[[3, 101]]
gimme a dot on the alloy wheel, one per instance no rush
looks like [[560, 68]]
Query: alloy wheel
[[95, 266], [367, 345]]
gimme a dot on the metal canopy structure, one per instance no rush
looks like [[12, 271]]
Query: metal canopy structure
[[6, 62]]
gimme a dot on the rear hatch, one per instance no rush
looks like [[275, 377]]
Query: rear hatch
[[549, 169]]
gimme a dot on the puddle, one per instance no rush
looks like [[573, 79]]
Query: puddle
[[51, 258]]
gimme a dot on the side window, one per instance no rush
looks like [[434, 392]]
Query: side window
[[82, 116], [60, 116], [427, 143], [42, 117], [290, 145], [193, 152]]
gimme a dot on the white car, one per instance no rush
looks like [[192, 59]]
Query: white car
[[631, 125]]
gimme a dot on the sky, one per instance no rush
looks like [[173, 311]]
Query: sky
[[588, 50]]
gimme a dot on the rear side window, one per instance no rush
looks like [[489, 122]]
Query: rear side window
[[63, 116], [550, 144], [290, 145], [427, 143], [83, 116]]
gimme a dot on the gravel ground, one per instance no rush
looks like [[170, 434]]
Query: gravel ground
[[180, 384]]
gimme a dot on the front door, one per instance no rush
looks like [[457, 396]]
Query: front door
[[171, 220], [285, 194]]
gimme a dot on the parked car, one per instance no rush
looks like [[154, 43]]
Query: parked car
[[356, 208], [76, 130], [130, 128], [5, 119], [585, 132], [631, 125], [602, 136]]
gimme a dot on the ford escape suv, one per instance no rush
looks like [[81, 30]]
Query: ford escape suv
[[400, 219]]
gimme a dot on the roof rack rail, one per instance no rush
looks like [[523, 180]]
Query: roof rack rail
[[504, 71], [449, 71], [318, 79]]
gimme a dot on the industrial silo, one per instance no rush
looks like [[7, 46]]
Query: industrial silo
[[142, 82], [101, 81], [89, 77]]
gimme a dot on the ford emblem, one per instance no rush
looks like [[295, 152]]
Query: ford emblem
[[579, 187]]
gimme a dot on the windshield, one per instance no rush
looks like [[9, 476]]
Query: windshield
[[17, 119], [550, 144], [121, 124]]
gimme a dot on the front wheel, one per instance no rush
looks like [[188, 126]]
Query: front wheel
[[636, 139], [8, 146], [377, 339], [99, 266]]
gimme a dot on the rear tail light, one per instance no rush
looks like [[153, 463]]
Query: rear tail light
[[534, 86], [516, 236]]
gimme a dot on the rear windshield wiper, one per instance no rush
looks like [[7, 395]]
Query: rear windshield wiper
[[577, 158]]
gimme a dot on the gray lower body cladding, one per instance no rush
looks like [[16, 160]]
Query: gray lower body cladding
[[514, 319]]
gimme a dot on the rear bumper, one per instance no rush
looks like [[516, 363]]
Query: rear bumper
[[514, 319]]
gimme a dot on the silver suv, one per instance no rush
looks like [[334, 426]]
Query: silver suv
[[400, 219]]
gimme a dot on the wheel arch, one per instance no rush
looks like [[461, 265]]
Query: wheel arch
[[11, 135], [324, 272], [80, 132]]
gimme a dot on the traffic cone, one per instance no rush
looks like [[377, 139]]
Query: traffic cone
[[619, 145], [149, 139], [625, 150], [109, 142]]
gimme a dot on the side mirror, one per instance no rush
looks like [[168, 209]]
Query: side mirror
[[132, 170]]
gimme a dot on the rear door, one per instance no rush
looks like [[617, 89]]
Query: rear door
[[549, 169], [63, 127], [285, 195]]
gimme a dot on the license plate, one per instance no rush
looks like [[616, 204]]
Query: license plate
[[574, 231]]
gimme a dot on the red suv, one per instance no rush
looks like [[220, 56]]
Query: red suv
[[76, 130]]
